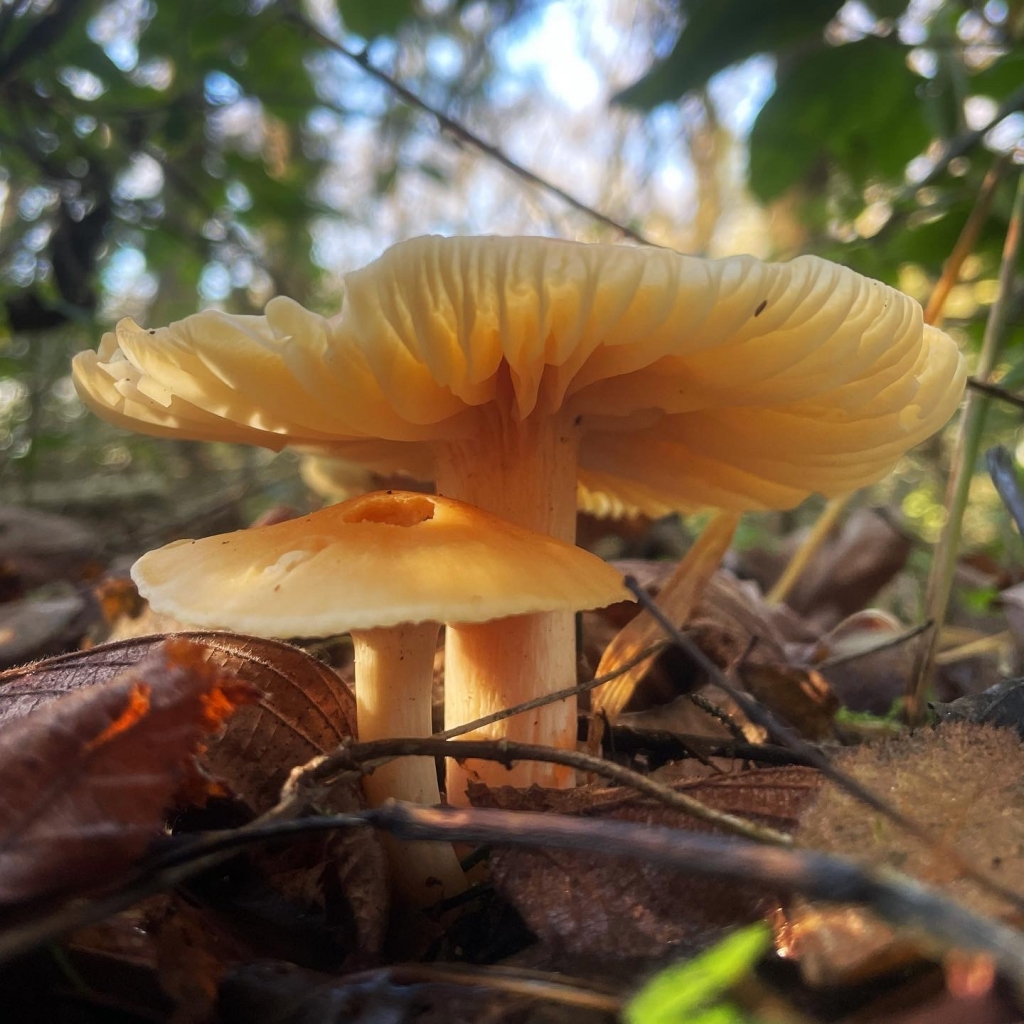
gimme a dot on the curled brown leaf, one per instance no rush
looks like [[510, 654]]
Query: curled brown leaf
[[86, 780]]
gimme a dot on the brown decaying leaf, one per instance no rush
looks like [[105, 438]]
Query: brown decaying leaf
[[860, 557], [732, 625], [31, 627], [38, 547], [118, 598], [801, 696], [193, 947], [304, 709], [86, 780], [590, 906], [963, 782]]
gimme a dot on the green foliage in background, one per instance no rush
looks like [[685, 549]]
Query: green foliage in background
[[160, 155], [852, 109], [171, 153]]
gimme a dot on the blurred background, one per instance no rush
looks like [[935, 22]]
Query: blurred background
[[161, 156]]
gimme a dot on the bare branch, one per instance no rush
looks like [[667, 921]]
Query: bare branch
[[506, 752], [461, 132]]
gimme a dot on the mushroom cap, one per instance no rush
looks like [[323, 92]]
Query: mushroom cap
[[335, 479], [728, 383], [379, 560]]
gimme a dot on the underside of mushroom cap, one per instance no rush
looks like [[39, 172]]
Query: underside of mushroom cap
[[731, 383], [379, 560]]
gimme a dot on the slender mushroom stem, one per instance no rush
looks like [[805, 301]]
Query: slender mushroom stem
[[394, 670], [525, 472]]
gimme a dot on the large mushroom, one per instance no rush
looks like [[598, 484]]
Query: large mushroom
[[521, 366], [387, 567]]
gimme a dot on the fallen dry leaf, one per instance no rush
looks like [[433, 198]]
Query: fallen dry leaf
[[846, 572], [1000, 705], [32, 627], [733, 626], [962, 782], [800, 696], [85, 781], [193, 948], [38, 547], [593, 906], [304, 709], [872, 679]]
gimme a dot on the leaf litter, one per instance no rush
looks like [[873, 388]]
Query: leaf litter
[[87, 781], [320, 903]]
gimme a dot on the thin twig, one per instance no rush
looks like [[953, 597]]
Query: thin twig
[[719, 714], [972, 425], [554, 988], [899, 899], [463, 133], [507, 751], [894, 641], [966, 141], [902, 901], [995, 391], [784, 734], [554, 696]]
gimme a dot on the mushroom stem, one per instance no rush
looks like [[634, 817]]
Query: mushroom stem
[[524, 471], [394, 671]]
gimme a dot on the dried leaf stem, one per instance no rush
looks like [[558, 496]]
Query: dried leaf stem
[[965, 243], [553, 988], [965, 456], [809, 546]]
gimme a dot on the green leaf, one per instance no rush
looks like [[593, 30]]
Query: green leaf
[[678, 994], [370, 18], [891, 9], [719, 33], [855, 105], [1006, 75]]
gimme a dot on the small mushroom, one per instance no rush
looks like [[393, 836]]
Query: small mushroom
[[523, 366], [387, 567]]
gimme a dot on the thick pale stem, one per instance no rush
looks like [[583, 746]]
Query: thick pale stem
[[526, 473], [394, 671]]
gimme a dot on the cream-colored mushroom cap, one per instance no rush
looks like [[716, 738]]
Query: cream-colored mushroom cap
[[732, 383], [378, 560]]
